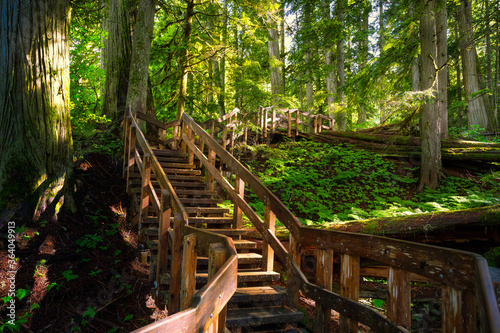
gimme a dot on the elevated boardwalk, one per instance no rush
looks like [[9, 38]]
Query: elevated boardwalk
[[211, 279]]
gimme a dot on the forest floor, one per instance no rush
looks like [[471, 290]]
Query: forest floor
[[81, 273]]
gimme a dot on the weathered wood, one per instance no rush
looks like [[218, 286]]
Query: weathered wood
[[451, 309], [324, 279], [399, 297], [469, 312], [130, 153], [210, 177], [237, 213], [217, 257], [349, 288], [267, 251], [188, 283], [191, 137], [145, 183], [184, 322], [164, 226], [291, 282], [289, 122], [383, 271], [175, 270]]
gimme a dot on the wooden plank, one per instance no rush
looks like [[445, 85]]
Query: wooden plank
[[349, 288], [176, 265], [217, 257], [164, 226], [452, 267], [291, 282], [469, 311], [289, 122], [487, 307], [451, 310], [211, 160], [145, 183], [150, 120], [382, 271], [131, 155], [188, 284], [324, 279], [297, 119], [399, 297], [237, 213], [267, 251], [183, 322]]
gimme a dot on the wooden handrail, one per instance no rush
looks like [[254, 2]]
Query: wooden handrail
[[462, 271], [208, 302]]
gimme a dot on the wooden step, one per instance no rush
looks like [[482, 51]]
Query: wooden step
[[259, 294], [201, 201], [182, 185], [244, 244], [186, 178], [249, 258], [206, 210], [262, 316], [150, 231], [168, 153], [196, 193], [169, 171], [244, 276], [228, 232], [176, 165], [210, 220]]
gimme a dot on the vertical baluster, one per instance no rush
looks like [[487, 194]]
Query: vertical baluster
[[297, 120], [175, 270], [267, 251], [216, 258], [131, 155], [399, 297], [145, 182], [265, 123], [210, 178], [126, 143], [324, 279], [238, 214], [292, 287], [315, 125], [183, 144], [188, 284], [451, 310], [190, 135], [349, 288], [164, 226], [273, 120]]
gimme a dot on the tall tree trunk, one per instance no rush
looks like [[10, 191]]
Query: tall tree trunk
[[415, 72], [381, 43], [117, 49], [183, 59], [137, 95], [35, 136], [282, 43], [274, 56], [221, 98], [487, 51], [341, 117], [478, 111], [363, 56], [441, 62], [331, 80], [430, 167], [459, 86], [309, 76]]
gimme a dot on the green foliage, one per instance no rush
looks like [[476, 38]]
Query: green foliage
[[89, 241], [94, 134], [68, 275], [493, 257], [322, 183], [475, 134]]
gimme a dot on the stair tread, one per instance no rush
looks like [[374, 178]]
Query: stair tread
[[201, 201], [176, 165], [262, 316], [187, 178], [220, 220], [244, 244], [167, 153], [258, 294], [206, 210], [196, 192], [243, 276], [177, 185], [228, 232], [170, 171]]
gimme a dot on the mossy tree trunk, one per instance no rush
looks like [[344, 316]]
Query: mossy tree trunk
[[331, 79], [275, 63], [430, 165], [137, 95], [341, 116], [118, 48], [35, 135]]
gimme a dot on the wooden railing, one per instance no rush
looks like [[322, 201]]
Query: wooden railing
[[205, 309], [468, 298]]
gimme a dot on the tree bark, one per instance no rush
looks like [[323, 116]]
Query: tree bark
[[441, 62], [430, 165], [275, 64], [341, 117], [363, 56], [478, 111], [309, 76], [381, 43], [415, 72], [35, 136], [118, 48], [183, 59], [137, 95], [331, 80], [459, 85]]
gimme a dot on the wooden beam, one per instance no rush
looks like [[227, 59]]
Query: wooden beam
[[238, 214], [175, 270], [164, 226], [188, 284], [451, 310], [324, 279], [145, 183], [267, 251], [349, 288], [399, 297], [217, 257]]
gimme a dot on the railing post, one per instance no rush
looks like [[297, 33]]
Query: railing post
[[273, 120], [188, 284], [267, 251], [210, 178], [297, 120], [451, 310], [315, 124], [399, 297], [324, 274], [145, 182], [130, 155], [216, 258], [289, 119], [163, 136], [349, 288], [126, 143], [175, 270], [164, 226], [291, 286], [238, 214], [265, 123], [469, 311], [183, 144], [190, 135], [259, 123], [224, 138]]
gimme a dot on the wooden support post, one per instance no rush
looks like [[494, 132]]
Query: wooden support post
[[130, 156], [175, 132], [183, 131], [320, 121], [210, 178], [349, 288], [267, 251], [145, 183], [224, 138], [238, 214], [273, 120], [164, 226], [188, 284], [324, 279], [289, 119], [259, 123], [265, 123], [231, 144], [163, 136], [332, 123], [217, 258], [297, 120], [126, 143], [190, 135], [175, 269], [451, 310], [399, 297], [245, 135], [293, 292], [469, 311]]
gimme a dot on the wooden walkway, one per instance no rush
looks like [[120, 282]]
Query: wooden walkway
[[211, 279]]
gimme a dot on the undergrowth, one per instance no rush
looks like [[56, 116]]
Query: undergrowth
[[322, 183]]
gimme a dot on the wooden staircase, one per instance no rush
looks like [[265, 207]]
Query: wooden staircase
[[259, 303]]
